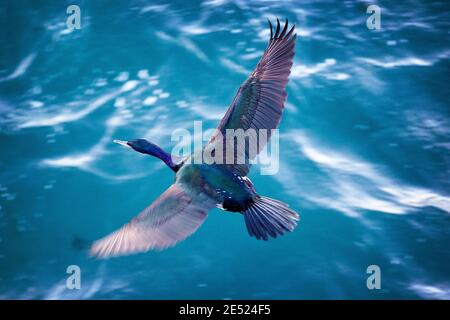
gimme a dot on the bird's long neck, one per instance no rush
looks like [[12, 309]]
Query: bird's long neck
[[156, 151]]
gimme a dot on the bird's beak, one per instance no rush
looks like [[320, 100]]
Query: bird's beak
[[123, 143]]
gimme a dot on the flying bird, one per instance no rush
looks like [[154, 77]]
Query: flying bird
[[198, 188]]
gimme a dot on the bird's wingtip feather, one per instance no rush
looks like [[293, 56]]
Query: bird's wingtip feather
[[281, 33]]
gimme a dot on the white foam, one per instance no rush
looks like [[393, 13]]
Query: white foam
[[84, 160], [214, 3], [430, 291], [120, 102], [195, 29], [354, 184], [234, 66], [155, 8], [77, 115], [101, 82], [78, 161], [149, 101], [304, 71], [264, 34], [21, 68], [252, 55], [129, 85], [182, 104], [114, 121], [70, 116], [393, 63], [164, 36], [207, 112], [185, 43], [338, 76], [391, 43], [143, 74], [35, 104], [304, 32], [190, 46], [122, 77]]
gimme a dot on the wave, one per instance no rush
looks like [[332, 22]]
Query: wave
[[22, 67], [431, 292], [233, 66], [85, 161], [393, 63], [75, 116], [390, 62], [322, 68], [352, 185], [185, 43]]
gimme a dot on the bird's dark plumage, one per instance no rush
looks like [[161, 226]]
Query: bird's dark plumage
[[198, 188]]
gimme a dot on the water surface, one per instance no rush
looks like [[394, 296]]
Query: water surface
[[364, 147]]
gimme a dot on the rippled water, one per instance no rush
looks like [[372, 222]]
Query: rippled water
[[364, 147]]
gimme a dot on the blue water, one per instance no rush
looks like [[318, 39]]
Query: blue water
[[364, 147]]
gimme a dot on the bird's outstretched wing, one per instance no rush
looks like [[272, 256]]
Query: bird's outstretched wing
[[171, 218], [259, 101]]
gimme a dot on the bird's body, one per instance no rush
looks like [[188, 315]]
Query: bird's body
[[202, 186], [230, 191]]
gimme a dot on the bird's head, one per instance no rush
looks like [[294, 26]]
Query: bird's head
[[144, 146], [139, 145]]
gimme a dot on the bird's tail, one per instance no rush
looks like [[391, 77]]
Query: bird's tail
[[268, 217]]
